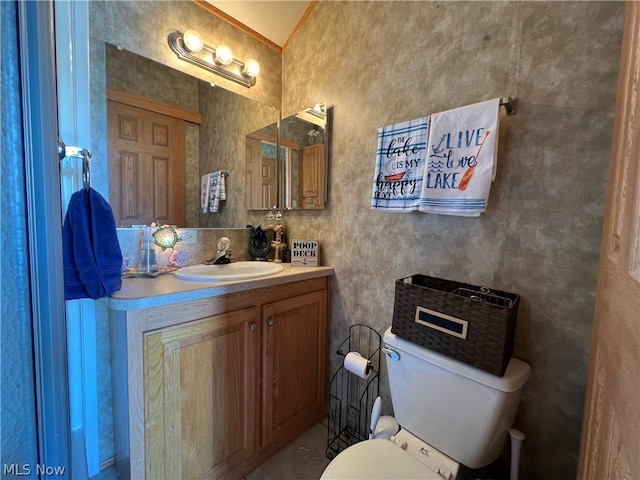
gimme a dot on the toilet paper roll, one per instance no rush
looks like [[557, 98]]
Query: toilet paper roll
[[356, 363]]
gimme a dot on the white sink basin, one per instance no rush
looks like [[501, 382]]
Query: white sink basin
[[228, 272]]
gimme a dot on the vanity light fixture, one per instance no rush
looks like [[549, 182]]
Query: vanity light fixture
[[188, 46], [316, 114], [319, 110]]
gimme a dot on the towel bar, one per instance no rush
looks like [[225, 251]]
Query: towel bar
[[509, 104]]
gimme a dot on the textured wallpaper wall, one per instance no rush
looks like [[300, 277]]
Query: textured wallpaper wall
[[383, 62]]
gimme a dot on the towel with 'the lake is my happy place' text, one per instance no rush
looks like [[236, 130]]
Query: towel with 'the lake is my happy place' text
[[401, 157]]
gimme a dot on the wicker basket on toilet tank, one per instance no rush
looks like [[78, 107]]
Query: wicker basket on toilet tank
[[472, 324]]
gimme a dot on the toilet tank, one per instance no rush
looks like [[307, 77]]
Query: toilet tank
[[462, 411]]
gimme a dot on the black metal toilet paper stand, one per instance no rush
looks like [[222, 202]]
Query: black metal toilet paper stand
[[351, 397]]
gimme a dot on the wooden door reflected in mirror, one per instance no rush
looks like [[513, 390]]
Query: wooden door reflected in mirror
[[146, 155], [261, 172], [304, 140]]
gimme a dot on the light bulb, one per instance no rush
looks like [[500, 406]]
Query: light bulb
[[224, 56], [192, 41], [251, 68]]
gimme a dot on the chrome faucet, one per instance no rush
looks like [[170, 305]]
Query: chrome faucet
[[223, 255]]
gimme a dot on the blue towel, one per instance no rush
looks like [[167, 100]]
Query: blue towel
[[400, 164], [90, 248]]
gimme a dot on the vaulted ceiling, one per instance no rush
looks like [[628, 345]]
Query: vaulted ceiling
[[274, 20]]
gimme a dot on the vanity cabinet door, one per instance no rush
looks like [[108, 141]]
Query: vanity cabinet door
[[295, 366], [202, 395]]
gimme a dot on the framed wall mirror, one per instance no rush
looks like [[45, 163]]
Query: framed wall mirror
[[304, 158], [286, 166], [227, 132], [212, 138]]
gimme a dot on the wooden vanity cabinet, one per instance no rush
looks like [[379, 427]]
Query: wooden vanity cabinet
[[211, 388], [294, 367], [201, 395]]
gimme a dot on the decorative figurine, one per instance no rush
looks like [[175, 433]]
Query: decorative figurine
[[259, 246], [278, 244]]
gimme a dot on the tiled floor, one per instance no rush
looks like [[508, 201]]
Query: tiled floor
[[303, 459]]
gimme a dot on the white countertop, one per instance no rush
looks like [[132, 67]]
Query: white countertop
[[145, 292]]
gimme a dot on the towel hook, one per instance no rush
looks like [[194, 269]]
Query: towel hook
[[86, 169], [62, 150], [65, 151]]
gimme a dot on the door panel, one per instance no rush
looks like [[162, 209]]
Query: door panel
[[146, 160], [295, 371], [253, 174], [269, 192], [611, 427], [201, 384]]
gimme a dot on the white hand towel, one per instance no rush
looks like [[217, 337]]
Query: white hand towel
[[217, 191], [400, 164], [461, 159], [205, 188], [222, 194]]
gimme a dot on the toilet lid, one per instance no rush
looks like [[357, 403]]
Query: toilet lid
[[379, 459]]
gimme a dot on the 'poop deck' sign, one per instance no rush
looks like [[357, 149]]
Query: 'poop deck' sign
[[304, 253]]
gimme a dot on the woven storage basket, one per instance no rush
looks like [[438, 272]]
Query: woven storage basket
[[472, 324]]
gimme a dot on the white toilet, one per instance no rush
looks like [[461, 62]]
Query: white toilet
[[450, 413]]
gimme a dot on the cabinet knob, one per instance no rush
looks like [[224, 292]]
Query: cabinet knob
[[253, 326], [271, 322]]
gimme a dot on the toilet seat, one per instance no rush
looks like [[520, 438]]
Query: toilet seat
[[377, 459]]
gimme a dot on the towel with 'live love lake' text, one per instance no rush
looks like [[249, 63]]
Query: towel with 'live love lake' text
[[461, 159], [400, 163]]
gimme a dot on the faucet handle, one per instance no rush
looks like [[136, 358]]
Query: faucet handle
[[224, 244]]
